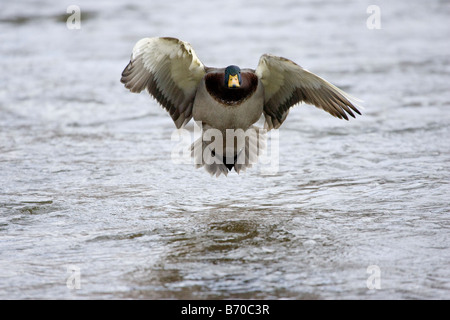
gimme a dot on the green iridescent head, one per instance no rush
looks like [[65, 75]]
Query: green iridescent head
[[232, 77]]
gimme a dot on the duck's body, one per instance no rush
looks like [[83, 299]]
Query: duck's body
[[227, 98], [220, 107]]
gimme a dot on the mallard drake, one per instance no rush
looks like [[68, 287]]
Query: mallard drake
[[227, 98]]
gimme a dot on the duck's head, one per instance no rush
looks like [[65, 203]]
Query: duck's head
[[232, 77]]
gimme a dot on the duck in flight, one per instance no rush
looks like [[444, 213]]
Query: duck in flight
[[228, 98]]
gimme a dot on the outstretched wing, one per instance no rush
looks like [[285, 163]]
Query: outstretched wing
[[286, 84], [170, 71]]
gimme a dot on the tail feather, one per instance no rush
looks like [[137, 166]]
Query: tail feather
[[241, 158]]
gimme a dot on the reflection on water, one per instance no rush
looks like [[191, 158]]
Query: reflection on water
[[86, 177]]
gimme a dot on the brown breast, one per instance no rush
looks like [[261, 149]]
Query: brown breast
[[215, 84]]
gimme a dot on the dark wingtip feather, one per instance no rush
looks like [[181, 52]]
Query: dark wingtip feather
[[356, 110]]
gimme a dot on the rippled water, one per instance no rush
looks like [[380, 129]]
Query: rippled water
[[89, 191]]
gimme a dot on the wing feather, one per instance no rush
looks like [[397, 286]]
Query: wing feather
[[286, 84], [170, 71]]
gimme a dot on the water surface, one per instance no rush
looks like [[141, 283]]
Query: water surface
[[87, 180]]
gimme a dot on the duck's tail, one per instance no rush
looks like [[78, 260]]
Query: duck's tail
[[238, 149]]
